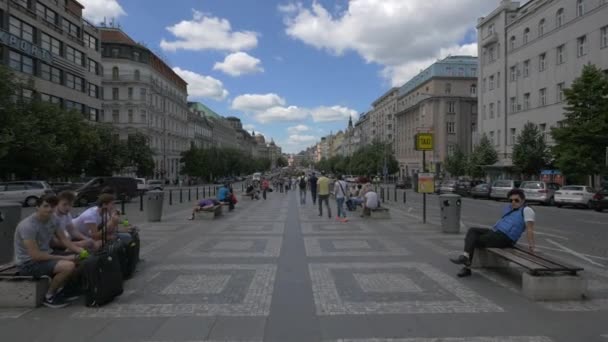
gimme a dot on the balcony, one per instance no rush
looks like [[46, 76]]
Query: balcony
[[489, 39]]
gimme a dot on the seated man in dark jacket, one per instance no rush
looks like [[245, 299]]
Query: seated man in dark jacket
[[516, 218]]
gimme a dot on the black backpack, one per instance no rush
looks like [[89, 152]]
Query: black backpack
[[302, 183]]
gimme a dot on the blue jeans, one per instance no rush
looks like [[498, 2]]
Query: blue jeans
[[340, 204], [302, 196]]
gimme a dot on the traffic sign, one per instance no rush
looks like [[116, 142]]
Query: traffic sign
[[424, 142]]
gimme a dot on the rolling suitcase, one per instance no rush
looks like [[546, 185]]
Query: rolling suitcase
[[130, 256], [102, 274]]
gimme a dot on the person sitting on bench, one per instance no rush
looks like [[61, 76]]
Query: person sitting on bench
[[64, 215], [223, 195], [33, 252], [89, 222], [370, 202], [204, 204], [516, 218]]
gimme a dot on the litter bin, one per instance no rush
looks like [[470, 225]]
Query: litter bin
[[10, 215], [154, 205], [450, 213]]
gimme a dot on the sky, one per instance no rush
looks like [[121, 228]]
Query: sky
[[296, 70]]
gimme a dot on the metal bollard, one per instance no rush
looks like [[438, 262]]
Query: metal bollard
[[189, 198], [181, 197], [122, 206], [214, 191], [141, 202], [404, 198], [197, 192], [395, 194], [382, 194], [170, 197]]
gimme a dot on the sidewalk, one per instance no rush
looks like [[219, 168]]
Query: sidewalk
[[276, 271]]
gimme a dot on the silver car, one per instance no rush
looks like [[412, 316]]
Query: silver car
[[447, 187], [541, 192], [24, 192], [501, 187], [575, 195]]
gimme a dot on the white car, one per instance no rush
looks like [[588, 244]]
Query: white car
[[155, 184], [24, 192], [575, 195]]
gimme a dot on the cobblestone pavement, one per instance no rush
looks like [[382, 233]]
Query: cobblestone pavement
[[275, 270]]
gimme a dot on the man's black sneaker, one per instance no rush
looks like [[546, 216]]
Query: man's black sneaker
[[464, 272], [55, 302], [461, 260]]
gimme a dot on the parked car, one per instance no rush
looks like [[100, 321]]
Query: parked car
[[481, 191], [63, 186], [575, 195], [155, 184], [448, 186], [24, 192], [124, 188], [539, 192], [501, 187], [599, 201]]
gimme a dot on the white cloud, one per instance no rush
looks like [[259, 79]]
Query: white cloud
[[257, 102], [98, 10], [296, 138], [205, 32], [334, 113], [239, 63], [401, 35], [200, 86], [297, 129], [249, 127], [274, 114]]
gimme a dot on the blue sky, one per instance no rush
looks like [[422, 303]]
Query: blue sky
[[296, 71]]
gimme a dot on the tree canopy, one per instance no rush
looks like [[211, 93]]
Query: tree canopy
[[530, 152]]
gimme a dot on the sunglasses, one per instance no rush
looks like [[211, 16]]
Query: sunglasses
[[515, 200]]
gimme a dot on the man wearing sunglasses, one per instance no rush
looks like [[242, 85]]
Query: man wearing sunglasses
[[516, 218]]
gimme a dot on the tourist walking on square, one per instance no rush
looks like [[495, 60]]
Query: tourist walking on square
[[323, 187], [312, 181], [340, 191], [302, 184], [516, 218], [265, 187]]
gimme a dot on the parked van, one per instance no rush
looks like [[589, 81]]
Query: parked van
[[501, 187], [124, 188]]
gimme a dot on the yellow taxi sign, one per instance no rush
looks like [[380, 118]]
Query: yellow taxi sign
[[424, 142]]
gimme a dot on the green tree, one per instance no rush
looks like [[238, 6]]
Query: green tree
[[483, 154], [282, 162], [9, 109], [456, 164], [140, 155], [530, 152], [580, 144]]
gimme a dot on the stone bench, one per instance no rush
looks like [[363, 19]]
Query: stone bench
[[544, 279], [210, 213], [20, 291], [380, 213]]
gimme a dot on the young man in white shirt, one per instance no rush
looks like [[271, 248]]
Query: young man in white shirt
[[370, 202], [340, 191]]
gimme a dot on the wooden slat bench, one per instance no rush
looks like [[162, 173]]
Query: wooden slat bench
[[544, 279], [20, 291], [209, 214]]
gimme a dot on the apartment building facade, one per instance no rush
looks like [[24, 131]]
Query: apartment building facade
[[528, 55], [143, 94], [442, 99], [55, 51], [381, 117]]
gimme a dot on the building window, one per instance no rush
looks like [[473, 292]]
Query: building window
[[115, 93], [526, 101], [451, 127], [50, 43], [136, 56], [542, 58], [46, 13], [483, 112], [527, 68], [492, 82], [74, 55], [491, 110], [580, 8], [137, 75], [492, 140], [71, 28], [50, 73], [513, 136], [143, 93], [448, 88], [93, 67], [115, 52], [604, 37], [50, 99], [90, 41], [526, 35], [130, 113], [559, 17], [451, 107], [93, 114], [491, 52], [498, 109], [130, 93], [473, 71], [560, 92], [541, 27], [143, 116], [512, 42], [498, 138], [513, 102], [19, 62], [73, 82], [473, 90], [542, 95], [560, 54], [21, 29], [115, 116], [75, 106], [115, 73], [485, 86], [581, 46], [451, 149], [93, 90], [513, 74]]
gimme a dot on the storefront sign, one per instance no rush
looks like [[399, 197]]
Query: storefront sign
[[25, 47]]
